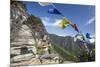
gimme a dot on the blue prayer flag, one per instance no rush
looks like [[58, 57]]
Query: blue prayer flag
[[88, 36], [53, 11]]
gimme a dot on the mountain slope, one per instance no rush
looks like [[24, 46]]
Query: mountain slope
[[75, 50]]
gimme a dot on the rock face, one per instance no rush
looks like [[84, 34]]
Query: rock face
[[29, 41]]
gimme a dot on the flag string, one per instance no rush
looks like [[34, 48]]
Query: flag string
[[63, 15]]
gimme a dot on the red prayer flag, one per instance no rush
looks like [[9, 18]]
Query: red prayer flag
[[75, 27]]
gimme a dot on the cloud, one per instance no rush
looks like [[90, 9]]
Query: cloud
[[92, 40], [52, 27], [50, 22], [90, 21]]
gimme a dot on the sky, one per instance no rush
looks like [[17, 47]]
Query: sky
[[82, 15]]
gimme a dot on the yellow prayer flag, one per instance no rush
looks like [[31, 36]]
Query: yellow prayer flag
[[64, 23]]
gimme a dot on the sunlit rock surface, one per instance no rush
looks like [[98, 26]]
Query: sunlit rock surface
[[30, 44]]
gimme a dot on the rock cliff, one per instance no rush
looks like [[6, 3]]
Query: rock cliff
[[29, 40]]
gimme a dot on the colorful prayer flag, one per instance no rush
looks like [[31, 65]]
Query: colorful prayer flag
[[53, 11], [64, 23], [80, 37], [88, 36], [75, 27]]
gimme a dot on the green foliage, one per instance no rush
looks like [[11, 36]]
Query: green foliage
[[66, 55], [51, 49], [34, 20], [40, 51]]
